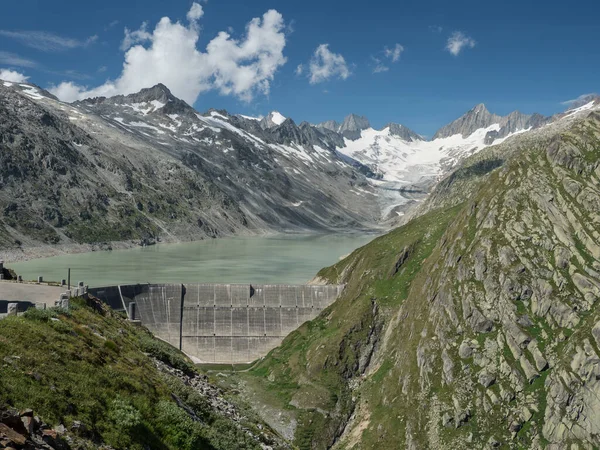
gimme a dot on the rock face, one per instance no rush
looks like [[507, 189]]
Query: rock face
[[352, 126], [403, 132], [479, 117], [274, 119], [492, 321], [474, 119]]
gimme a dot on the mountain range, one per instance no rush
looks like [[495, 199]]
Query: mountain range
[[473, 324], [145, 167]]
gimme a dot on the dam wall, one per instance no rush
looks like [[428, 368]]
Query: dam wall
[[221, 323]]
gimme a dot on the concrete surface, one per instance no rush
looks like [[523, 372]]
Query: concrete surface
[[30, 292], [222, 323]]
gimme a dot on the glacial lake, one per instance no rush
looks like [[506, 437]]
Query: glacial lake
[[289, 259]]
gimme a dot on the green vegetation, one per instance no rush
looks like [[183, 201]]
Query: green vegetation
[[90, 365], [308, 374]]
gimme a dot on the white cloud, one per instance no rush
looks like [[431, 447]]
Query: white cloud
[[135, 37], [12, 75], [379, 66], [457, 41], [169, 55], [325, 64], [300, 69], [394, 53], [581, 100], [48, 42], [195, 12], [15, 60]]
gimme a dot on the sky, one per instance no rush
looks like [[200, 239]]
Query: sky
[[419, 63]]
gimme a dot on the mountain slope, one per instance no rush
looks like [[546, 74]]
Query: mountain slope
[[101, 381], [474, 325], [147, 166]]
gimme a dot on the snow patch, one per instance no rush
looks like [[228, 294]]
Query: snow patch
[[250, 117], [220, 116], [31, 92], [585, 107], [277, 118]]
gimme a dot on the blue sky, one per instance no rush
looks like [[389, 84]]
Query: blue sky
[[525, 55]]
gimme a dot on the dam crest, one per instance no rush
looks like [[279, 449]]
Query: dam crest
[[221, 323]]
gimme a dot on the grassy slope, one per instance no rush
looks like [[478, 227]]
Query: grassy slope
[[96, 368], [311, 368]]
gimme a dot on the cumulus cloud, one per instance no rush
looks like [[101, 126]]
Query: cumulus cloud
[[15, 60], [457, 41], [47, 42], [169, 55], [300, 69], [12, 75], [325, 64], [135, 37], [195, 12]]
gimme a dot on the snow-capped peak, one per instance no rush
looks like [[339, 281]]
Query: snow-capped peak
[[277, 118], [274, 119]]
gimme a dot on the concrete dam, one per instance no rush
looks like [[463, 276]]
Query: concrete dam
[[221, 323]]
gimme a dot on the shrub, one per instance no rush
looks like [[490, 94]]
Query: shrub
[[124, 414], [43, 315]]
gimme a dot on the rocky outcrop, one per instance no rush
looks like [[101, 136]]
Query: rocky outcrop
[[403, 132], [352, 126], [479, 117], [474, 119], [24, 430]]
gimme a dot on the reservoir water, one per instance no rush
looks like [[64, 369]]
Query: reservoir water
[[291, 259]]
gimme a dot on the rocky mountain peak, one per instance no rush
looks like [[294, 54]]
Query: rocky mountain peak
[[474, 119], [352, 125], [146, 101], [403, 132], [274, 119], [480, 108], [330, 125], [354, 122], [157, 92]]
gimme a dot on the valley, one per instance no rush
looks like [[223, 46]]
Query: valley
[[471, 324], [134, 170]]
